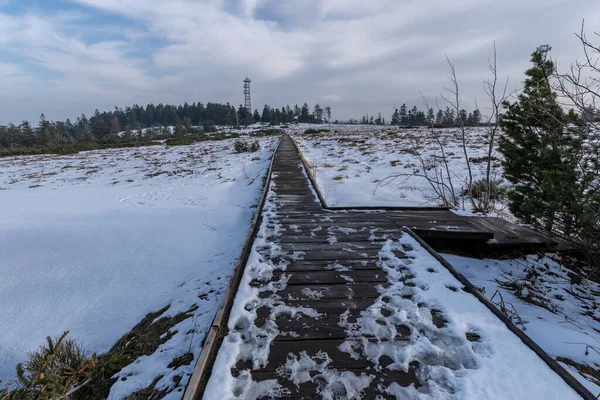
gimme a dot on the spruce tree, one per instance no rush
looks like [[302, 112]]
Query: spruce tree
[[266, 114], [396, 117], [305, 116], [439, 118], [538, 150], [403, 115], [430, 117]]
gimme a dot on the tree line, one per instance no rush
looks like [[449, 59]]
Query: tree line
[[404, 116], [416, 117], [132, 123]]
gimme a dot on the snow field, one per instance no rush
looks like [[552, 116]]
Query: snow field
[[94, 241], [351, 161]]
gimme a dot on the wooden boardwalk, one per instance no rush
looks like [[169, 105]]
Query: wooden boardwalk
[[330, 262], [310, 229]]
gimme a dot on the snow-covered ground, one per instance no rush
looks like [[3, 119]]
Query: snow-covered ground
[[560, 313], [352, 162], [94, 241]]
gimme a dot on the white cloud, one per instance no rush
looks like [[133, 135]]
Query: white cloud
[[332, 98], [8, 70]]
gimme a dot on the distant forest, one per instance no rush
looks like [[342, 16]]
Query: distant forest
[[138, 125], [415, 117], [127, 125]]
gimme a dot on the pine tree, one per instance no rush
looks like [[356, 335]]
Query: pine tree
[[396, 117], [448, 118], [378, 120], [305, 116], [266, 114], [256, 116], [403, 115], [538, 150], [318, 114], [476, 118], [430, 117], [439, 118], [462, 118]]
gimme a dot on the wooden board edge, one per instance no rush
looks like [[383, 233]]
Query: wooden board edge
[[313, 180]]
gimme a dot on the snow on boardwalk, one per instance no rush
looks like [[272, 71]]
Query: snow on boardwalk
[[343, 305]]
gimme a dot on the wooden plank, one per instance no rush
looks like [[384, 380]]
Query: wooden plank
[[380, 381], [337, 254], [451, 234], [334, 218], [310, 246], [341, 238], [507, 233], [326, 327], [341, 291], [331, 277], [306, 328], [278, 354], [325, 305], [318, 265]]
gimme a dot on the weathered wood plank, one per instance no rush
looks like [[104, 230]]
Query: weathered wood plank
[[341, 291], [380, 381], [331, 277], [340, 238], [336, 254], [319, 265], [354, 245]]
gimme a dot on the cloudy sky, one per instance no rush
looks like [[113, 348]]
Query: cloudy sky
[[67, 57]]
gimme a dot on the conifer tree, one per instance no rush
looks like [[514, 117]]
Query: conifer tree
[[539, 151], [430, 117], [266, 114], [305, 114], [403, 115], [396, 117]]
